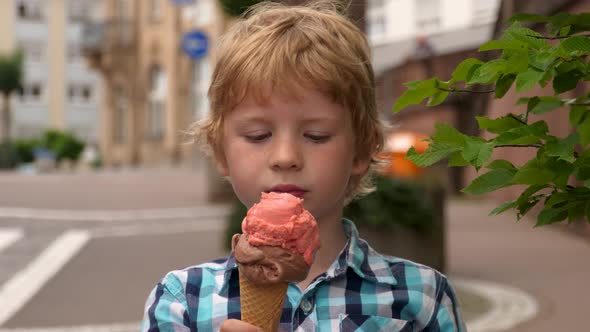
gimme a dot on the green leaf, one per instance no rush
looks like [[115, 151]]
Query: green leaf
[[413, 97], [532, 173], [584, 130], [503, 207], [488, 72], [437, 98], [501, 164], [503, 85], [576, 45], [529, 134], [566, 81], [504, 45], [576, 211], [517, 63], [528, 79], [445, 133], [460, 73], [557, 198], [541, 59], [499, 125], [543, 104], [550, 216], [457, 160], [563, 148], [490, 181], [434, 153], [577, 114], [477, 152], [517, 32]]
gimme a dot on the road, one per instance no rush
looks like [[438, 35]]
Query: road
[[84, 250]]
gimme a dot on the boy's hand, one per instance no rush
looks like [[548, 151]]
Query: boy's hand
[[234, 325]]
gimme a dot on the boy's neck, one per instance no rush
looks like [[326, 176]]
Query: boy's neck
[[332, 240]]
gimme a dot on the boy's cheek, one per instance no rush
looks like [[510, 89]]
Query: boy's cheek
[[221, 163]]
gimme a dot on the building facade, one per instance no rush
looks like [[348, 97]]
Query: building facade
[[153, 89], [59, 91]]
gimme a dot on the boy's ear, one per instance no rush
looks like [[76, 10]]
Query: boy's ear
[[360, 164], [221, 162]]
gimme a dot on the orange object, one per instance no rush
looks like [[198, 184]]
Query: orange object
[[396, 147]]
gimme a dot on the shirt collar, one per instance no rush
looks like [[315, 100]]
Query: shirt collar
[[361, 258], [356, 254]]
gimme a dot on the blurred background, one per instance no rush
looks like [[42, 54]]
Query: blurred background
[[102, 192]]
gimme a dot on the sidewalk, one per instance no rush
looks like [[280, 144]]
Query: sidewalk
[[550, 264]]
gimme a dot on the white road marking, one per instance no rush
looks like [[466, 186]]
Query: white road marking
[[130, 327], [15, 293], [510, 306], [115, 215], [205, 225], [8, 236]]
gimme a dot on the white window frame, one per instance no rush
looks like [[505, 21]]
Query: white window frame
[[200, 81], [428, 16], [34, 10], [26, 95], [156, 104], [377, 19]]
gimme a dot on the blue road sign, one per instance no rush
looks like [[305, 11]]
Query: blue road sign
[[195, 44]]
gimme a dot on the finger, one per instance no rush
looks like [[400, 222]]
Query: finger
[[234, 325]]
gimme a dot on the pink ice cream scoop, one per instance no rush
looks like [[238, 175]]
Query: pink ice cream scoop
[[279, 220]]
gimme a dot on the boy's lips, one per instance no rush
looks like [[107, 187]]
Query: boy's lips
[[288, 188]]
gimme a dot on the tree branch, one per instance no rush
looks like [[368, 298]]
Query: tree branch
[[519, 146], [557, 37], [517, 119], [468, 91]]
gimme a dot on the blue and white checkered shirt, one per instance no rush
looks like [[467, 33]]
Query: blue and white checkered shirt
[[361, 291]]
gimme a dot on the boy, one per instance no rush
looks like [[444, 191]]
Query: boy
[[293, 110]]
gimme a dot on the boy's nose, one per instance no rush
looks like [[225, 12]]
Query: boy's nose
[[285, 156]]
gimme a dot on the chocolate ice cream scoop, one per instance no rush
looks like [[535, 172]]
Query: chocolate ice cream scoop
[[267, 264]]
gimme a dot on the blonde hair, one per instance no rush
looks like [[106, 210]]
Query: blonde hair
[[296, 46]]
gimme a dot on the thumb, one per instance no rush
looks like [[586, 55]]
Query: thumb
[[235, 325]]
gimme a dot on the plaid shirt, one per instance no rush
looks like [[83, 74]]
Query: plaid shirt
[[361, 291]]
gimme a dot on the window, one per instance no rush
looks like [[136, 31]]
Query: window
[[156, 104], [33, 50], [155, 10], [74, 54], [484, 11], [79, 93], [30, 10], [32, 92], [79, 10], [120, 116], [201, 77], [428, 19], [376, 19]]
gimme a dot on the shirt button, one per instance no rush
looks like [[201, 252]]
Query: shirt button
[[306, 306]]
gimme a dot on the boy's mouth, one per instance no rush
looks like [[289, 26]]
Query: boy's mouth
[[288, 188]]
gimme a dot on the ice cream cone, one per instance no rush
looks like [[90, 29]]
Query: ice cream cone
[[262, 305]]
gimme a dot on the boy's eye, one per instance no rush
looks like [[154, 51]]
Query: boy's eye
[[317, 138], [258, 137]]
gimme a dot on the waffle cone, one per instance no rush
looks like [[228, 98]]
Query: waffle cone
[[262, 305]]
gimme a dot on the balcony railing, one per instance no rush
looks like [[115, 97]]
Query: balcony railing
[[114, 35]]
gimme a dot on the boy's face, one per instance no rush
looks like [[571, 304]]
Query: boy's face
[[303, 146]]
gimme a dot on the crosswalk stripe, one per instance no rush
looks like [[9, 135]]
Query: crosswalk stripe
[[115, 215], [18, 290], [8, 236]]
